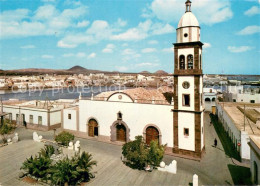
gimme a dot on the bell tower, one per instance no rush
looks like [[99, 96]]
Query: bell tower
[[188, 86]]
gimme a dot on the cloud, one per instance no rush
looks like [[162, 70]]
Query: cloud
[[152, 42], [121, 68], [47, 56], [137, 33], [254, 10], [27, 47], [168, 50], [147, 65], [148, 50], [159, 29], [207, 11], [109, 48], [249, 30], [239, 49], [206, 45], [128, 51], [45, 20], [121, 23], [61, 44], [82, 24], [81, 55], [92, 55]]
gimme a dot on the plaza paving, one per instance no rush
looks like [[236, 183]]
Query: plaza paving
[[212, 169]]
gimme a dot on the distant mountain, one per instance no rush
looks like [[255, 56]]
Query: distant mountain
[[161, 72], [77, 69], [145, 72]]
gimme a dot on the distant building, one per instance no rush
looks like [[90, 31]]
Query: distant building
[[239, 125], [238, 94], [255, 159], [209, 98]]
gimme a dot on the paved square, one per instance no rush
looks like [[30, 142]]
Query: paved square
[[213, 169]]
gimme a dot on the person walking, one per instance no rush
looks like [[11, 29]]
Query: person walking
[[215, 142]]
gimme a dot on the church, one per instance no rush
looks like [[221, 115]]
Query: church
[[119, 116]]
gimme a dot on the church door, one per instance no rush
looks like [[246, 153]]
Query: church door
[[152, 134], [121, 133], [92, 128]]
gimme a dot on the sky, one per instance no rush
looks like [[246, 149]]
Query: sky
[[126, 35]]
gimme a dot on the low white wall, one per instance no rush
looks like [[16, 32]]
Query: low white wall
[[135, 115], [236, 135]]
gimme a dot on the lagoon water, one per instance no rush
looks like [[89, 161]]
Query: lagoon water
[[54, 94]]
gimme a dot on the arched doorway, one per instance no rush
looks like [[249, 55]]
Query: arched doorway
[[151, 134], [255, 173], [120, 133], [92, 128]]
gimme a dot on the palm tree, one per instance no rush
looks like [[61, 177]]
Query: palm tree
[[64, 172], [85, 164]]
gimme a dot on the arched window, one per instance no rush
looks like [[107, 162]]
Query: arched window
[[200, 61], [213, 99], [182, 61], [207, 99], [190, 61]]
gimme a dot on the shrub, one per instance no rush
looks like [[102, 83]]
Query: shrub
[[47, 151], [138, 154], [64, 138], [37, 166], [64, 172], [6, 129]]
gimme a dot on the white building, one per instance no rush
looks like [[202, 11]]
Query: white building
[[239, 126], [39, 115], [238, 94], [255, 159], [209, 98], [120, 116]]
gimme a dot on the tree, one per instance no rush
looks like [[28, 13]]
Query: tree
[[139, 154]]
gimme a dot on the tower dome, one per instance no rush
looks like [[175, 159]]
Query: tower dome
[[188, 19], [188, 28]]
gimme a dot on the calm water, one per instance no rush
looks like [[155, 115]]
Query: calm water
[[53, 94]]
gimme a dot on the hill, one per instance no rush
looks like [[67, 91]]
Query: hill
[[161, 72]]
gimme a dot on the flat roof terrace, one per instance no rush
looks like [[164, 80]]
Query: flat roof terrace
[[236, 113]]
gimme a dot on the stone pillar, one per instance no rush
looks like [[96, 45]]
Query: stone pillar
[[195, 180]]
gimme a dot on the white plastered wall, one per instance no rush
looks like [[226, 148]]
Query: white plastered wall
[[186, 120], [55, 117], [135, 115], [70, 124], [117, 96], [189, 91]]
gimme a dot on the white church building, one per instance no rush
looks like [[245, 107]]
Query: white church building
[[119, 116]]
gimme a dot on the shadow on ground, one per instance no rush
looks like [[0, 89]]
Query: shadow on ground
[[240, 175], [227, 144]]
